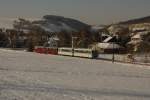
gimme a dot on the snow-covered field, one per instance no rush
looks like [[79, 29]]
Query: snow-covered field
[[31, 76]]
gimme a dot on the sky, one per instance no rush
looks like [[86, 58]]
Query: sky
[[93, 12]]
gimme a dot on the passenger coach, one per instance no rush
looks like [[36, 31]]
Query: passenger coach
[[78, 52]]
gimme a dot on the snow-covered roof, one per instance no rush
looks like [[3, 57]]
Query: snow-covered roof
[[137, 36], [140, 34], [108, 46], [138, 29], [144, 32], [108, 39]]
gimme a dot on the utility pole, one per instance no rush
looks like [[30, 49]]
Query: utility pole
[[73, 38], [113, 57]]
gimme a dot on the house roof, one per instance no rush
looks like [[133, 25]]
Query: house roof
[[108, 39], [108, 46], [141, 34], [137, 36]]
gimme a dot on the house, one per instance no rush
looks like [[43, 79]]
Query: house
[[110, 48], [119, 30], [140, 27], [140, 38]]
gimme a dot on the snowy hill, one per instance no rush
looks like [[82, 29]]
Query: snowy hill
[[137, 21], [54, 23]]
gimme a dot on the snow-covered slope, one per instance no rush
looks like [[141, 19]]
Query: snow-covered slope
[[53, 23]]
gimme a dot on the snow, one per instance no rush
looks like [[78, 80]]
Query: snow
[[108, 46], [31, 76], [57, 28], [108, 39], [97, 27]]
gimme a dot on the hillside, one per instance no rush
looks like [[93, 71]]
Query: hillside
[[137, 21], [54, 23]]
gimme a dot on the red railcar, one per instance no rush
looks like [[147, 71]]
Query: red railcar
[[53, 51], [46, 50], [40, 49]]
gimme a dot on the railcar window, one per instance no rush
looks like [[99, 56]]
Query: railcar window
[[82, 51], [65, 50]]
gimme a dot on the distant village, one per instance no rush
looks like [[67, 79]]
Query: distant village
[[121, 38]]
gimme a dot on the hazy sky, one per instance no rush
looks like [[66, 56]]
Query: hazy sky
[[89, 11]]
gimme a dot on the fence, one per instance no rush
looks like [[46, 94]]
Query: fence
[[127, 58]]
